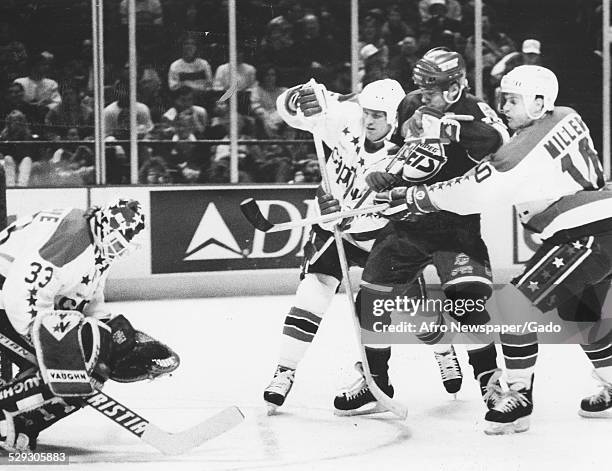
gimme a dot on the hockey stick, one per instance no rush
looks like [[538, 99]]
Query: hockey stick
[[251, 210], [393, 406], [166, 442]]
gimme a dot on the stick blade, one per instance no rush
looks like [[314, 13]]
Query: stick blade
[[251, 211], [181, 442]]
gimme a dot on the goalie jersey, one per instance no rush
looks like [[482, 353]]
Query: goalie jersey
[[549, 171], [48, 262], [341, 128]]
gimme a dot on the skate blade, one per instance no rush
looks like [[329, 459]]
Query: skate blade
[[363, 410], [604, 414], [518, 426], [271, 408]]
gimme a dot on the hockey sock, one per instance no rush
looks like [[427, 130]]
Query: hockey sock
[[520, 355], [600, 354], [313, 297], [378, 360], [483, 360]]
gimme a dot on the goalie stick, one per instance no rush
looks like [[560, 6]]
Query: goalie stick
[[166, 442]]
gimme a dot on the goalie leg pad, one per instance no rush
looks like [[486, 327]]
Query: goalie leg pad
[[72, 352]]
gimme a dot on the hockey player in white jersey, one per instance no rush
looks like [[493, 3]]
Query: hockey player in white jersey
[[550, 172], [53, 268], [358, 134]]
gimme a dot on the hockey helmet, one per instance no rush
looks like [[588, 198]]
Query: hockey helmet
[[383, 95], [531, 81], [439, 68], [117, 228]]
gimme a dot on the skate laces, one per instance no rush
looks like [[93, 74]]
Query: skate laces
[[449, 366], [605, 391], [511, 400], [282, 380], [493, 391], [356, 389]]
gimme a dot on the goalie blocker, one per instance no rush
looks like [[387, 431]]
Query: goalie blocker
[[76, 356]]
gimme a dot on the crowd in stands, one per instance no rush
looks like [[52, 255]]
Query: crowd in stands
[[46, 79]]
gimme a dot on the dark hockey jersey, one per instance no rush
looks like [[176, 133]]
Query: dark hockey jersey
[[437, 163]]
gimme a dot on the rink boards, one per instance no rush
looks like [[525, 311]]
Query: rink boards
[[199, 244]]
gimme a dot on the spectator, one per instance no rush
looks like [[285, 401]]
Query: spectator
[[342, 81], [154, 171], [13, 61], [319, 51], [495, 45], [245, 74], [400, 66], [453, 10], [278, 48], [440, 27], [374, 64], [117, 114], [69, 114], [17, 156], [307, 171], [190, 70], [148, 12], [14, 100], [263, 102], [38, 88], [185, 117], [395, 28]]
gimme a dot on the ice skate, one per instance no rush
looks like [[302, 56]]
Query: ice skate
[[357, 399], [599, 405], [278, 389], [512, 413], [450, 370], [490, 388]]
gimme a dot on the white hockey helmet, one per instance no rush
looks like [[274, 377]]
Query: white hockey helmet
[[383, 95], [531, 81], [117, 228]]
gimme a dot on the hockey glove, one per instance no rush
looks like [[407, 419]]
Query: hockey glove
[[406, 203], [328, 204], [380, 181], [311, 99]]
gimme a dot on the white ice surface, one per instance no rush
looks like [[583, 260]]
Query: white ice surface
[[229, 349]]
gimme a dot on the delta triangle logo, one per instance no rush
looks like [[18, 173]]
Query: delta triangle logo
[[212, 239]]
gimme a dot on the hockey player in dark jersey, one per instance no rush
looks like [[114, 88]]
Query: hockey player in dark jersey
[[450, 242]]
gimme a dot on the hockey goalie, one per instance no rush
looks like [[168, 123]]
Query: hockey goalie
[[53, 268]]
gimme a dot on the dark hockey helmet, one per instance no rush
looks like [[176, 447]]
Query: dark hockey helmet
[[439, 68]]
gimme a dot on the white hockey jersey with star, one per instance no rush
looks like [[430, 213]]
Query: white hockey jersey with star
[[48, 262], [549, 171], [341, 128]]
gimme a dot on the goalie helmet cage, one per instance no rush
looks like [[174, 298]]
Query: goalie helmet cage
[[6, 369]]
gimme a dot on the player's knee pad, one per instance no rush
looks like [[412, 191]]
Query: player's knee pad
[[469, 302], [315, 293], [136, 356], [73, 352]]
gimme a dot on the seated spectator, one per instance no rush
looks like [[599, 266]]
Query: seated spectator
[[148, 12], [70, 113], [453, 12], [370, 32], [13, 61], [401, 66], [320, 52], [154, 171], [17, 156], [374, 64], [307, 171], [38, 88], [342, 81], [117, 115], [395, 28], [439, 26], [278, 48], [190, 70], [185, 117], [495, 45], [14, 100], [245, 74], [263, 102]]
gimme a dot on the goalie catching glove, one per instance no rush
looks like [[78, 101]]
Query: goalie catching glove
[[406, 203]]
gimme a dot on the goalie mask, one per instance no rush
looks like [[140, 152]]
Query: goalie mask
[[531, 82], [438, 69], [117, 228]]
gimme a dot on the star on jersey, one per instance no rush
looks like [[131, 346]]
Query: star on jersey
[[355, 141], [533, 286], [346, 131], [33, 312], [85, 280], [558, 262], [577, 245]]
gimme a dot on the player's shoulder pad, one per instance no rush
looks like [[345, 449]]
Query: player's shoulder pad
[[70, 239], [470, 104], [409, 104], [519, 147]]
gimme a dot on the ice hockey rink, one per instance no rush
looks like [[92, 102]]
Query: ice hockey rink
[[229, 349]]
